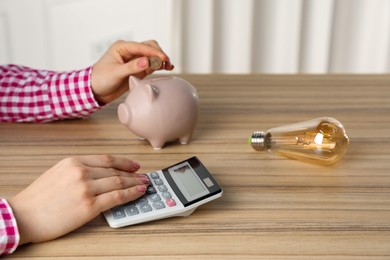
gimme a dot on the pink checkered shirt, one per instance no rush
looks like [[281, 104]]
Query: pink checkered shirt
[[9, 235], [30, 95]]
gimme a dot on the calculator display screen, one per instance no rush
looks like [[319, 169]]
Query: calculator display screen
[[188, 181]]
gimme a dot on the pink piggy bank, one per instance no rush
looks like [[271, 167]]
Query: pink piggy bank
[[161, 109]]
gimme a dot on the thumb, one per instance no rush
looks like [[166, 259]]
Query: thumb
[[134, 66]]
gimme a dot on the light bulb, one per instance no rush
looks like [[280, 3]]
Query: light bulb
[[321, 140]]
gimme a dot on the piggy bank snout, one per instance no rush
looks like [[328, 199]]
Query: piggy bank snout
[[123, 113]]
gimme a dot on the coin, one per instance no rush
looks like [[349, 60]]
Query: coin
[[155, 62]]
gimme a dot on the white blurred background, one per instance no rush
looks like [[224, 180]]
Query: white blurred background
[[203, 36]]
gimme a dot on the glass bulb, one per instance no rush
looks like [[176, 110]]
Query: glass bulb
[[321, 140]]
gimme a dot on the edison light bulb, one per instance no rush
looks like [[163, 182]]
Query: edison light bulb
[[321, 140]]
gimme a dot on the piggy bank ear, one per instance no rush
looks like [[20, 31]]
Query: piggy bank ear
[[152, 92], [133, 81]]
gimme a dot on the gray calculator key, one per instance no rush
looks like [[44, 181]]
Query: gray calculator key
[[151, 190], [154, 197], [131, 210], [162, 188], [166, 195], [118, 213], [145, 207], [154, 175], [158, 181], [142, 200], [158, 205]]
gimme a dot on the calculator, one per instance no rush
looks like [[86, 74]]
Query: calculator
[[173, 191]]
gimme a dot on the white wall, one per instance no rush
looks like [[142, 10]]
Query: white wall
[[203, 36], [68, 34]]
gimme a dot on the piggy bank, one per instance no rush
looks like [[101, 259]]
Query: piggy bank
[[160, 110]]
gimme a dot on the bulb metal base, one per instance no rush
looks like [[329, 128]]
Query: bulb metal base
[[257, 140]]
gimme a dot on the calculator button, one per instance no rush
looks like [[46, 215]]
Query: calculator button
[[158, 181], [162, 188], [154, 197], [166, 195], [158, 205], [145, 207], [129, 204], [154, 175], [142, 200], [118, 213], [170, 202], [151, 190], [131, 211]]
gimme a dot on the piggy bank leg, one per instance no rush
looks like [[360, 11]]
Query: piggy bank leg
[[156, 144], [185, 139]]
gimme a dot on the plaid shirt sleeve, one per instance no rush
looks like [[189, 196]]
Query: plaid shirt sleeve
[[9, 234], [30, 95]]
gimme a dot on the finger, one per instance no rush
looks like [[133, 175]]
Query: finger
[[141, 67], [154, 44], [113, 183], [133, 67], [100, 173], [114, 198], [168, 66], [130, 49], [109, 161], [166, 63]]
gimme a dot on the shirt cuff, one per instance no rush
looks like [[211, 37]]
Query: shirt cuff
[[71, 94], [9, 233]]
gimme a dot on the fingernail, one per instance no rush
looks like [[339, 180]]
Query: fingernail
[[141, 188], [143, 62], [136, 165], [168, 66], [144, 179]]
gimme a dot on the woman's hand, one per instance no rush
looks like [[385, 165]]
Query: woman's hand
[[110, 74], [73, 192]]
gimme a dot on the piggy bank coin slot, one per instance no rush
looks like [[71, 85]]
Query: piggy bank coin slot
[[160, 79], [155, 90]]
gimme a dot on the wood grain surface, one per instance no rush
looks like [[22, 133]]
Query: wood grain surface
[[272, 207]]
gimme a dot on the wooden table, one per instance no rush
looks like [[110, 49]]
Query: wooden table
[[272, 207]]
